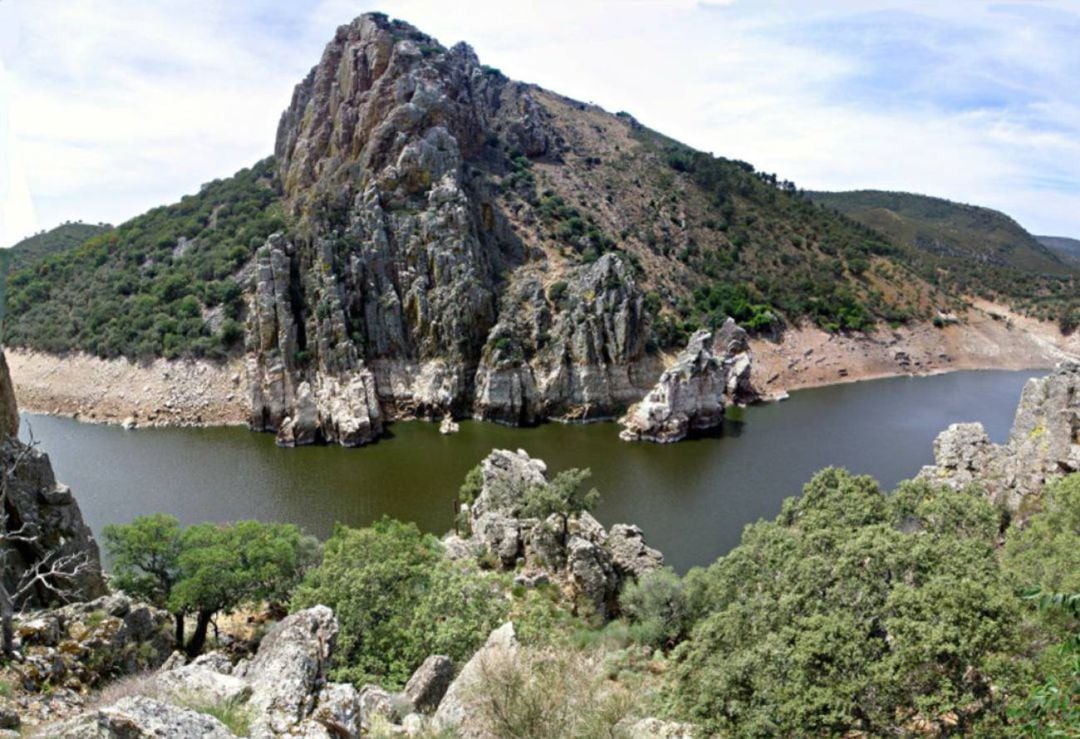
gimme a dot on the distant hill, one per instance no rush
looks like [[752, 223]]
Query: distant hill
[[38, 246], [64, 236], [974, 249], [1066, 248]]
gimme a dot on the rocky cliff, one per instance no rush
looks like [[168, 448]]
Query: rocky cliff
[[406, 289], [1044, 443], [48, 553]]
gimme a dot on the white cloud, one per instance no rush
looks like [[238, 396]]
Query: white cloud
[[119, 105]]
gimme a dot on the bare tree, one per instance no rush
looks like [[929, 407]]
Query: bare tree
[[49, 573]]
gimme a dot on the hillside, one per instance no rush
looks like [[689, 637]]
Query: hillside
[[967, 248], [1066, 248], [450, 241], [166, 283], [63, 237]]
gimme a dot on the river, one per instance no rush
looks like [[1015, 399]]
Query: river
[[692, 498]]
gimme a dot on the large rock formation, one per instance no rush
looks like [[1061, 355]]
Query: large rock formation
[[573, 549], [1044, 443], [43, 527], [403, 289], [692, 394], [283, 690]]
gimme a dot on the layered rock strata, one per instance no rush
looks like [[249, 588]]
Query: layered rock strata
[[1044, 443]]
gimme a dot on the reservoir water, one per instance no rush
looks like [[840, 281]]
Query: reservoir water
[[692, 498]]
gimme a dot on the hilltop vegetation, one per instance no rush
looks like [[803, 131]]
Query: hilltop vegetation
[[63, 237], [1066, 248], [969, 249], [167, 283]]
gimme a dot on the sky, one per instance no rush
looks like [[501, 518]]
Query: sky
[[111, 107]]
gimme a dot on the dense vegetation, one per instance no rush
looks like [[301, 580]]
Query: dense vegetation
[[762, 253], [63, 237], [859, 611], [921, 611], [207, 569], [399, 600], [163, 284], [969, 249]]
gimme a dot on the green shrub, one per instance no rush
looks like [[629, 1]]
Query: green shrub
[[855, 612], [398, 601]]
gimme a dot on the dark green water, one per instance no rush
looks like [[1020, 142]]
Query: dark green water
[[692, 498]]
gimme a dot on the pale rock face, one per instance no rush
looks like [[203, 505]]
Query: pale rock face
[[693, 393], [455, 711], [1044, 443], [139, 717], [689, 395], [289, 669]]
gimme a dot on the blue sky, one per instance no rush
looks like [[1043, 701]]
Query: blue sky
[[110, 107]]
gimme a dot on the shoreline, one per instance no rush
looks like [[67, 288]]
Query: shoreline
[[195, 393]]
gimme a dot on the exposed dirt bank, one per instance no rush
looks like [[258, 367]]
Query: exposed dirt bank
[[188, 393], [988, 336], [164, 393]]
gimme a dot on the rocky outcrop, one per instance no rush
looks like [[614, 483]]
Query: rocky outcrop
[[82, 645], [44, 532], [455, 712], [1044, 443], [574, 549], [403, 289], [692, 394], [429, 683], [283, 690], [139, 717]]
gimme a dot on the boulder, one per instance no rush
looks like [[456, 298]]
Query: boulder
[[138, 717], [429, 683], [377, 704], [289, 669], [339, 710], [455, 712], [630, 555]]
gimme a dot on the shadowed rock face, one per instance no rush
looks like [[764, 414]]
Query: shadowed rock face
[[1044, 443], [404, 290], [44, 514]]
